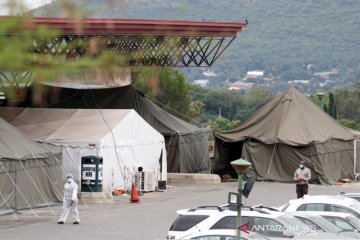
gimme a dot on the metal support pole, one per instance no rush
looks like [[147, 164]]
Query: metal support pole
[[16, 205], [240, 176], [240, 167]]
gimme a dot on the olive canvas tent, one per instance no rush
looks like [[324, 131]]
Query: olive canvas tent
[[121, 137], [284, 131], [186, 144], [30, 173]]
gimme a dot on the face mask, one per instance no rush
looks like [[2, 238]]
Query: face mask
[[69, 180], [301, 166]]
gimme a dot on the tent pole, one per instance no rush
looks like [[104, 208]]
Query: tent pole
[[16, 206], [357, 175], [272, 157]]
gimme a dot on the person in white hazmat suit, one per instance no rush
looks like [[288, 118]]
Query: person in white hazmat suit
[[70, 201]]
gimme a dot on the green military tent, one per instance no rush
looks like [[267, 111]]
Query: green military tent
[[186, 144], [30, 173], [284, 131]]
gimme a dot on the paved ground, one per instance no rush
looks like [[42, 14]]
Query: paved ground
[[150, 218]]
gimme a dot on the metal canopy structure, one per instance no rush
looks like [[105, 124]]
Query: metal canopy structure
[[139, 42]]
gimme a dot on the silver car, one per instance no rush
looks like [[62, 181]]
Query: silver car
[[323, 225]]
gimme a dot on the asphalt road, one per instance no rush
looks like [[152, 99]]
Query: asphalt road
[[147, 220]]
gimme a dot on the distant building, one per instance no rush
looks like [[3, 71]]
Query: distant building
[[310, 67], [201, 82], [209, 73], [299, 81], [240, 85], [326, 75], [254, 74]]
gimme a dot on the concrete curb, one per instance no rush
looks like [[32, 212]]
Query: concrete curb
[[95, 197], [193, 178]]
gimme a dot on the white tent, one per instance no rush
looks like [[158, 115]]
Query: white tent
[[121, 137]]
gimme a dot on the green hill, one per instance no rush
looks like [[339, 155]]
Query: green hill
[[282, 38]]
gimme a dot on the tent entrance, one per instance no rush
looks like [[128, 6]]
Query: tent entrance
[[356, 163]]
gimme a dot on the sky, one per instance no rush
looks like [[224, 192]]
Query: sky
[[29, 4]]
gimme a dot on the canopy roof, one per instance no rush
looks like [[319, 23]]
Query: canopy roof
[[136, 42], [153, 27], [290, 118], [10, 140]]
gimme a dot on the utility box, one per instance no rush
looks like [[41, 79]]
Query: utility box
[[91, 174]]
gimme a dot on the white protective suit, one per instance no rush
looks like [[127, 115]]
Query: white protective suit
[[70, 201]]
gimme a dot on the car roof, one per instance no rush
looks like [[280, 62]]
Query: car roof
[[323, 213], [325, 199], [350, 194], [224, 211]]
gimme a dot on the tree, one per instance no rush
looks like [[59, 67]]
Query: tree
[[350, 123], [174, 90], [332, 106], [167, 86], [197, 108], [256, 97], [222, 124], [227, 102]]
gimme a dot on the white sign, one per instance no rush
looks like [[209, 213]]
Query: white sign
[[88, 171]]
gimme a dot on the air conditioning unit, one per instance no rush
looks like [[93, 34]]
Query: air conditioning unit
[[146, 182]]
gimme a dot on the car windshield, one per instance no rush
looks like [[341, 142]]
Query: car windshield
[[313, 223], [294, 225], [356, 206], [327, 225], [284, 206], [354, 221]]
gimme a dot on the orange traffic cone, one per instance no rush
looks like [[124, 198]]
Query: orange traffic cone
[[134, 195]]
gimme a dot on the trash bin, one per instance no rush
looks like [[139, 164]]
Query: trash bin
[[91, 174]]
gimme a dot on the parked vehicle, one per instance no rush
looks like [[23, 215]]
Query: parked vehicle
[[355, 196], [271, 224], [223, 235], [345, 221], [323, 203], [322, 224]]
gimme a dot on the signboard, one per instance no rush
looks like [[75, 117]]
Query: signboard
[[89, 174]]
